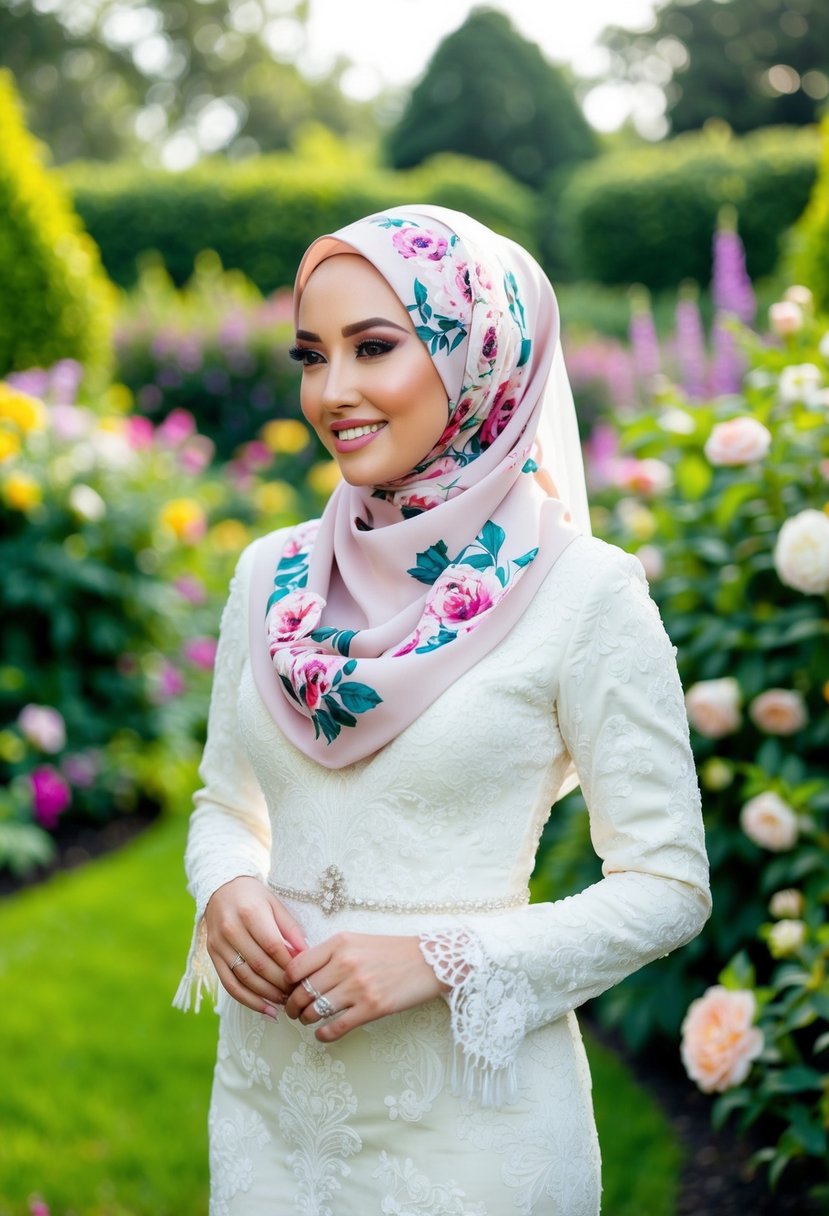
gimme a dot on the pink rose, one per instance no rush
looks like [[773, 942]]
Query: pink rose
[[201, 652], [785, 318], [719, 1040], [50, 795], [191, 589], [196, 454], [779, 711], [312, 676], [738, 441], [293, 617], [460, 597], [140, 432], [489, 348], [419, 243], [648, 476], [169, 685], [301, 538], [176, 427], [500, 412], [43, 727], [714, 707], [462, 281], [770, 822], [453, 426]]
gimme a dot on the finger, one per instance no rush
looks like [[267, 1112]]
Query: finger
[[269, 1006], [256, 985], [289, 928], [327, 1006]]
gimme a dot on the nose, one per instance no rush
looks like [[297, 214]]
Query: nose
[[340, 387]]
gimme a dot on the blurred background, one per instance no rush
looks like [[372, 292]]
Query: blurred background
[[162, 168]]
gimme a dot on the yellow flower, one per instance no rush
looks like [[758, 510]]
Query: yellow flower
[[286, 435], [274, 497], [826, 691], [9, 443], [22, 492], [118, 398], [25, 412], [185, 519], [324, 477], [229, 536], [12, 747]]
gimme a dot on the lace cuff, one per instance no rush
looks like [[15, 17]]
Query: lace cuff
[[491, 1009], [200, 974]]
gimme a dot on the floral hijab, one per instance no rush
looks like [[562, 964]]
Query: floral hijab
[[360, 620]]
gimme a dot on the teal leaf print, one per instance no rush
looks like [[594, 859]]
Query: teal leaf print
[[492, 537], [529, 466], [338, 714], [340, 639], [526, 347], [349, 667], [526, 558], [431, 563], [325, 723], [358, 697], [478, 561], [289, 688], [440, 639]]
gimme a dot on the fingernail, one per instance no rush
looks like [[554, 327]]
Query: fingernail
[[270, 1011]]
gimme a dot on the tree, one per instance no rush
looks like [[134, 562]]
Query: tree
[[489, 93], [754, 63]]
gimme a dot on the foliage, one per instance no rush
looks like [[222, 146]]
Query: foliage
[[106, 1123], [117, 546], [168, 82], [810, 255], [260, 216], [56, 302], [489, 93], [752, 65], [734, 534], [647, 216]]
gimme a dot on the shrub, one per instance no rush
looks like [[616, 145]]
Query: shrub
[[56, 302], [260, 215], [810, 246], [646, 216]]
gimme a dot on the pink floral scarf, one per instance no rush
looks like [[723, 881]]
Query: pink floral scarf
[[360, 620]]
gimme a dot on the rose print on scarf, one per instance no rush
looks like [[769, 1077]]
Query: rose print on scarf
[[463, 590], [312, 677], [416, 242]]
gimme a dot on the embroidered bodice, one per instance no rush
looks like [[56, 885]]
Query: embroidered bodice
[[436, 834]]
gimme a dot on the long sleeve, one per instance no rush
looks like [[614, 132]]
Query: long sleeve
[[622, 716], [229, 833]]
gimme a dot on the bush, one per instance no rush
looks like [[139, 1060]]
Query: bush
[[810, 246], [55, 302], [260, 215], [647, 216]]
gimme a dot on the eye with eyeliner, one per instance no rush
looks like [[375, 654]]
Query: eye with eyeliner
[[366, 348]]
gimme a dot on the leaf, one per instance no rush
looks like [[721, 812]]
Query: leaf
[[793, 1080], [693, 476], [526, 347], [425, 333], [359, 698], [323, 721], [457, 340], [807, 1131], [478, 561], [501, 575], [442, 638], [421, 294], [349, 667], [526, 558], [337, 712], [726, 1104], [289, 688], [431, 563], [491, 537]]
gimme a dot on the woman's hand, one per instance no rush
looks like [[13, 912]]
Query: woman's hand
[[243, 917], [363, 976]]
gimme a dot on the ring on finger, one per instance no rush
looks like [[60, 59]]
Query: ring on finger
[[324, 1008], [311, 990], [237, 962]]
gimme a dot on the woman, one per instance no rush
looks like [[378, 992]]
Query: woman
[[402, 690]]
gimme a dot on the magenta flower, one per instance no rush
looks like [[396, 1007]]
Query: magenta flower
[[140, 432], [201, 652], [196, 454], [458, 599], [50, 795], [178, 426], [419, 243], [293, 617], [170, 684], [191, 589], [312, 677]]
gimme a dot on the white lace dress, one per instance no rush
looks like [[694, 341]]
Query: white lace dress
[[478, 1104]]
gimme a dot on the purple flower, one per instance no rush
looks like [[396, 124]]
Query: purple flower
[[643, 339], [43, 727], [191, 589], [690, 346], [64, 381], [727, 362], [50, 795], [81, 768], [201, 652], [731, 287]]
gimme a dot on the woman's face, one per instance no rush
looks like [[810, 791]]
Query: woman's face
[[369, 387]]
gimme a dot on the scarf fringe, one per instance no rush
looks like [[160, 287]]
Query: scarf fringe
[[474, 1078], [199, 976]]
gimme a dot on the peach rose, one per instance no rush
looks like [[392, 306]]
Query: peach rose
[[786, 937], [649, 476], [801, 554], [738, 441], [714, 707], [769, 822], [719, 1040], [779, 711], [785, 317], [787, 903]]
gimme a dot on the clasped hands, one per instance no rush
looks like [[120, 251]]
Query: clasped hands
[[262, 959]]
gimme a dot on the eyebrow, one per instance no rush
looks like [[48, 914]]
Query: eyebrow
[[349, 330]]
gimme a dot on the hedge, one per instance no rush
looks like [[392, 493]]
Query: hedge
[[810, 245], [56, 302], [648, 215], [260, 215]]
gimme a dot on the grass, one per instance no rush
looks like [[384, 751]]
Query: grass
[[104, 1088]]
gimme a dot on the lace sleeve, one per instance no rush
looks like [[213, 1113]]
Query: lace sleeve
[[622, 715], [229, 834]]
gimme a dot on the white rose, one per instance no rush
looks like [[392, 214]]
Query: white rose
[[87, 503], [738, 441], [714, 707], [779, 711], [800, 295], [769, 822], [786, 937], [786, 903], [799, 382], [785, 317], [801, 555]]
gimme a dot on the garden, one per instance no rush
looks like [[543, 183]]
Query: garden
[[150, 428]]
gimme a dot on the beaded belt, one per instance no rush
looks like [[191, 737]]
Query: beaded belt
[[331, 895]]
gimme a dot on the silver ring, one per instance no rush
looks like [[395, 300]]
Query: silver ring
[[323, 1007], [237, 962], [311, 990]]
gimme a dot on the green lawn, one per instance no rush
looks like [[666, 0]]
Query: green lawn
[[104, 1087]]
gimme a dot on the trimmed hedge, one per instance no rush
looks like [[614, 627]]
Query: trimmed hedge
[[649, 215], [260, 215], [810, 252], [55, 301]]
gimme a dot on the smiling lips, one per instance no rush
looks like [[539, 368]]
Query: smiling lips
[[349, 437]]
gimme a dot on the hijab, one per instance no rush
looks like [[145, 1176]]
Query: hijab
[[361, 619]]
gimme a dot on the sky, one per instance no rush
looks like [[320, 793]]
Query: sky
[[566, 30]]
